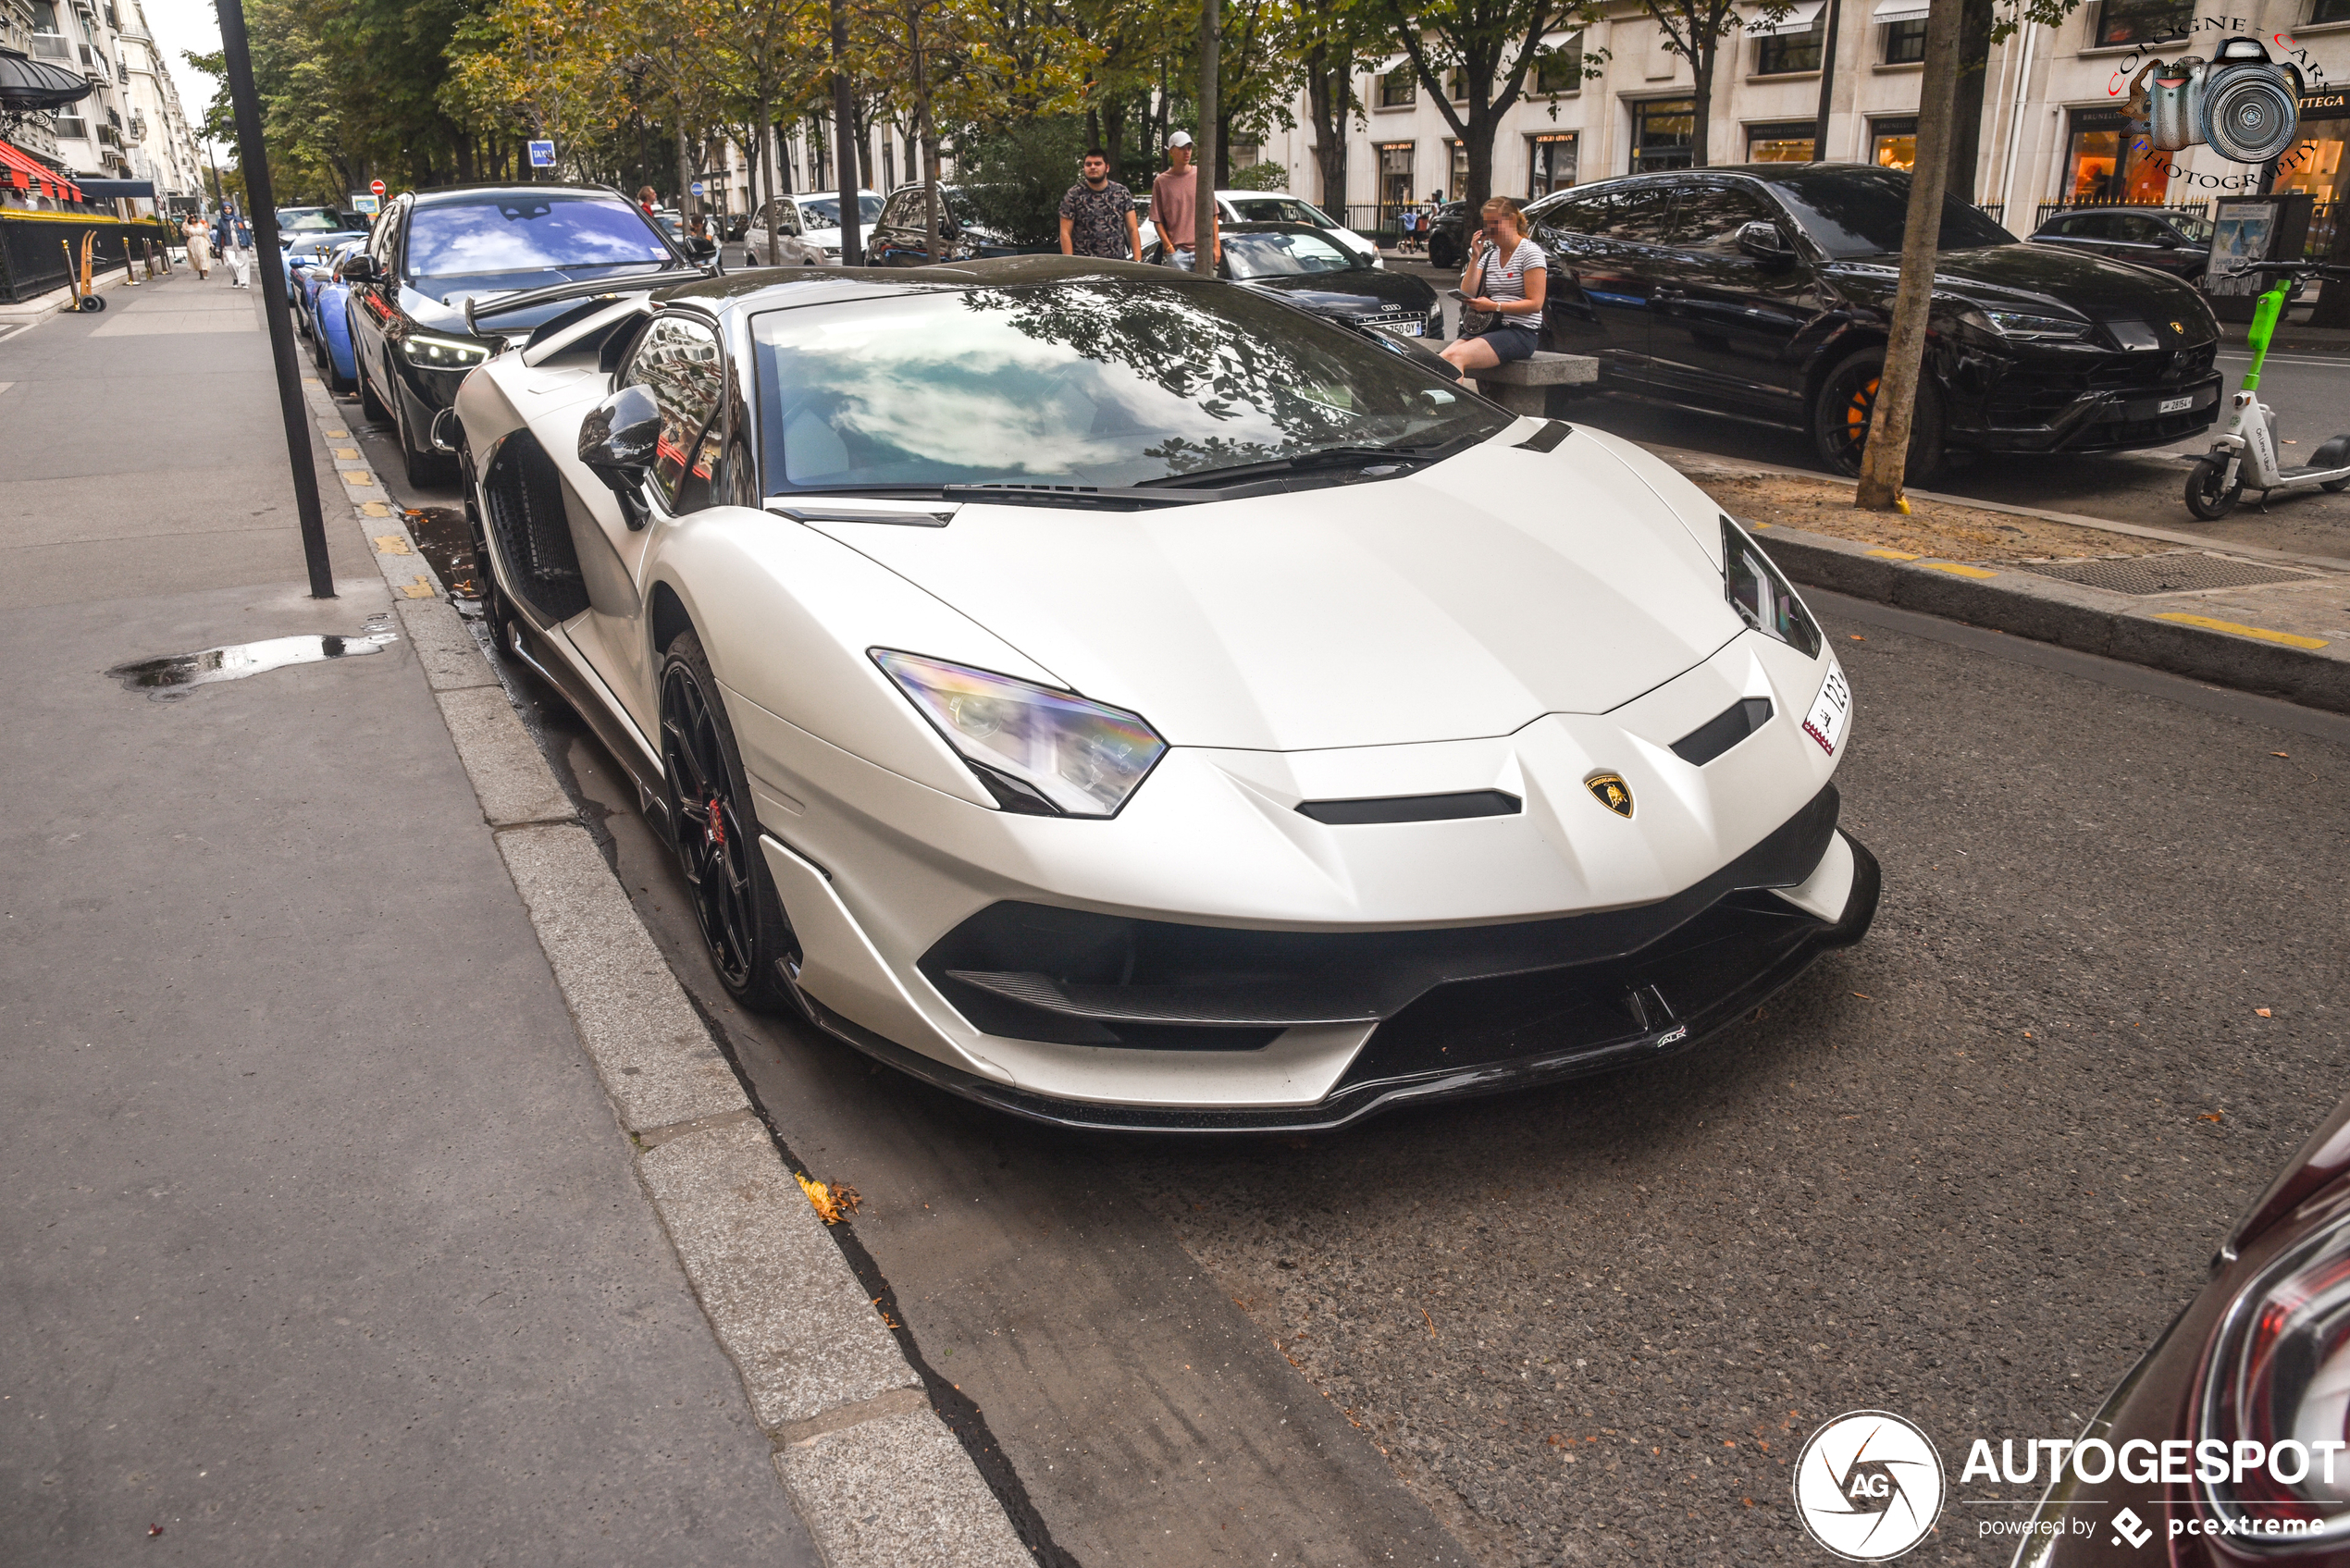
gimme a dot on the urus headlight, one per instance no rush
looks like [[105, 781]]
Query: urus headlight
[[2017, 326], [442, 354], [1039, 751], [1760, 594]]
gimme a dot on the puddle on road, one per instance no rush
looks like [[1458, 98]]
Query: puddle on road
[[173, 676], [446, 541]]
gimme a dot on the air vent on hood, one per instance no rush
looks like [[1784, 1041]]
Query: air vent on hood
[[1723, 731], [1411, 808], [1547, 438]]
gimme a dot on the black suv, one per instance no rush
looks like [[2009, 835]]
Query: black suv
[[1764, 293], [2175, 242]]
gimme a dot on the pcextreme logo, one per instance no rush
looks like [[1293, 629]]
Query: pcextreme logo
[[1868, 1486]]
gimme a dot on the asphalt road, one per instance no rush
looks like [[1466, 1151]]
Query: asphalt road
[[1964, 1171]]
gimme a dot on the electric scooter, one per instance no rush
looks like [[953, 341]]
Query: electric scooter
[[2245, 454]]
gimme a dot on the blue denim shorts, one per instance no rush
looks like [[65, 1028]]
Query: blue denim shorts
[[1511, 343]]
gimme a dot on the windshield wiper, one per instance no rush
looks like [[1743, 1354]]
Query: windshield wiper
[[1322, 457], [1102, 497]]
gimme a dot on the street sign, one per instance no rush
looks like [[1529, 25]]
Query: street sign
[[542, 154], [698, 188], [378, 187], [370, 205]]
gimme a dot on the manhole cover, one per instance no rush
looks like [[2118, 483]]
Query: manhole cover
[[2181, 572]]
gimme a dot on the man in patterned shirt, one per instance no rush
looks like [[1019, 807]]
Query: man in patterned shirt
[[1097, 216]]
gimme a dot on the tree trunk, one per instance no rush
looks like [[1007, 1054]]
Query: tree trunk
[[1701, 74], [764, 182], [1886, 458], [1114, 137], [1974, 84], [1208, 154], [845, 137], [934, 247], [1479, 137], [684, 167], [1327, 79]]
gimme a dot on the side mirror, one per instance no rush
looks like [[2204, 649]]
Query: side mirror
[[1764, 242], [700, 248], [617, 441], [360, 268]]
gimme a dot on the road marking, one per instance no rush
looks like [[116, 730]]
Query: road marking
[[1956, 570], [1891, 554], [333, 432], [356, 477], [391, 544], [2288, 638], [374, 508], [418, 588], [346, 454]]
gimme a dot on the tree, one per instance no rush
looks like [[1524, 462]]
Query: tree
[[1694, 30], [1327, 42], [1494, 44]]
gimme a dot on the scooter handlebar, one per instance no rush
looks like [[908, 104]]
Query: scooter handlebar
[[2301, 269]]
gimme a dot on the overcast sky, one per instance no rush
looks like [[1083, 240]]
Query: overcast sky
[[182, 25]]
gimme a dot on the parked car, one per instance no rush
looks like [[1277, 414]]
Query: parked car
[[2167, 240], [804, 229], [302, 249], [1423, 751], [1264, 206], [1305, 266], [297, 222], [2256, 1361], [434, 251], [330, 333], [900, 236], [309, 273], [1765, 292], [1447, 235]]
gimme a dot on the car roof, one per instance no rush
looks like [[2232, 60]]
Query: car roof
[[440, 193], [1267, 225]]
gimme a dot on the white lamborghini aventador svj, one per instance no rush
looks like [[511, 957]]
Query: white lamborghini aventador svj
[[1125, 700]]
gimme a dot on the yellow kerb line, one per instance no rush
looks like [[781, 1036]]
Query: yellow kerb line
[[1956, 570], [1886, 554], [2288, 638]]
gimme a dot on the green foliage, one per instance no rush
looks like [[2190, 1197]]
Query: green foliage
[[1014, 178], [1261, 176]]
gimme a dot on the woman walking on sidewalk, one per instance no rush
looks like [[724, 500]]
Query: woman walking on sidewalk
[[199, 237]]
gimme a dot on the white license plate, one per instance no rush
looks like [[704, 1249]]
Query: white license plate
[[1824, 724], [1413, 329], [2175, 405]]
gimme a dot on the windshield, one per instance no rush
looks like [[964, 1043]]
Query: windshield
[[2193, 226], [824, 212], [520, 242], [1284, 255], [1277, 209], [1105, 382], [317, 220], [1861, 211]]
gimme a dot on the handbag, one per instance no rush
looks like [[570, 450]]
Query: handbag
[[1477, 323]]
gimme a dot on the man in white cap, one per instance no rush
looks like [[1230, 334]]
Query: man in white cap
[[1175, 197]]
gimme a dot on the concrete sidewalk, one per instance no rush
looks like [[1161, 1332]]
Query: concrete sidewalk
[[320, 1243]]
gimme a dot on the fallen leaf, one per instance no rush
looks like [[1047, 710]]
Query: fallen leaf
[[154, 1529], [833, 1202], [2280, 754], [1864, 996], [1857, 637], [1431, 1323], [2262, 1011], [2211, 1116], [2027, 1034]]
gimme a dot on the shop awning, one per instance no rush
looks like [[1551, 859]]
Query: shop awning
[[28, 83], [1799, 19], [107, 190], [25, 173], [1898, 11]]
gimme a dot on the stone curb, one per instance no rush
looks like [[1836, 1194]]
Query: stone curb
[[2050, 610], [872, 1470]]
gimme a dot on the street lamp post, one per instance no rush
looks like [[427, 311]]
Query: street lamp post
[[254, 155]]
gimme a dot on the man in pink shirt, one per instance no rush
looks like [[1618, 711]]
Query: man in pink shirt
[[1175, 207]]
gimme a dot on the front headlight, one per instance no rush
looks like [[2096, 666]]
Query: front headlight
[[1762, 596], [429, 353], [2017, 326], [1038, 751]]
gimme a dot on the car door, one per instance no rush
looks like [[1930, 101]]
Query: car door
[[2145, 240], [678, 359], [1724, 323], [1602, 247], [375, 303]]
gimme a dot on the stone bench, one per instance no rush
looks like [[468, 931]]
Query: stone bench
[[1523, 385]]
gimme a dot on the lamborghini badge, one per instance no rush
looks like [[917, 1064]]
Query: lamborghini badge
[[1611, 792]]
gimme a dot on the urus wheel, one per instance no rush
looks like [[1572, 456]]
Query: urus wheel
[[715, 833], [1846, 402], [2205, 499]]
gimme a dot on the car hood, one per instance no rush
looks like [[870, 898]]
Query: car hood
[[1465, 600], [1340, 293], [2027, 277]]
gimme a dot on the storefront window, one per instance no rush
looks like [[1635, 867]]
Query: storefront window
[[1664, 134], [1789, 53], [1905, 42], [2106, 161], [1893, 143], [2329, 11], [1456, 160], [1553, 158], [2142, 21], [1789, 143], [1395, 179]]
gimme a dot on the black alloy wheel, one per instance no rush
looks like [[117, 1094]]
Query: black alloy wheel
[[715, 833], [2205, 496], [1845, 404]]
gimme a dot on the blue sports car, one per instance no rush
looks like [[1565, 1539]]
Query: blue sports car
[[330, 324], [309, 274]]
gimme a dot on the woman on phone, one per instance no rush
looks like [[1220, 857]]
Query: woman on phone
[[1506, 279]]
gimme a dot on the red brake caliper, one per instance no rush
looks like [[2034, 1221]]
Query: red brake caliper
[[716, 831]]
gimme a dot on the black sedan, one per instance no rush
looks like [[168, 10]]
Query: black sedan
[[435, 251], [1305, 266], [2175, 242], [1765, 293]]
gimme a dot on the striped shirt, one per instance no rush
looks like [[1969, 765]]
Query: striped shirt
[[1505, 280]]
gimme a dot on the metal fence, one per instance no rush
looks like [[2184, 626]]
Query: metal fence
[[2049, 209], [34, 247]]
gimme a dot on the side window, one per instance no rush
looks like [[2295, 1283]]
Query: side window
[[786, 216], [1579, 214], [1711, 215], [1640, 215], [2139, 229], [899, 214], [381, 243], [2093, 226], [680, 361]]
